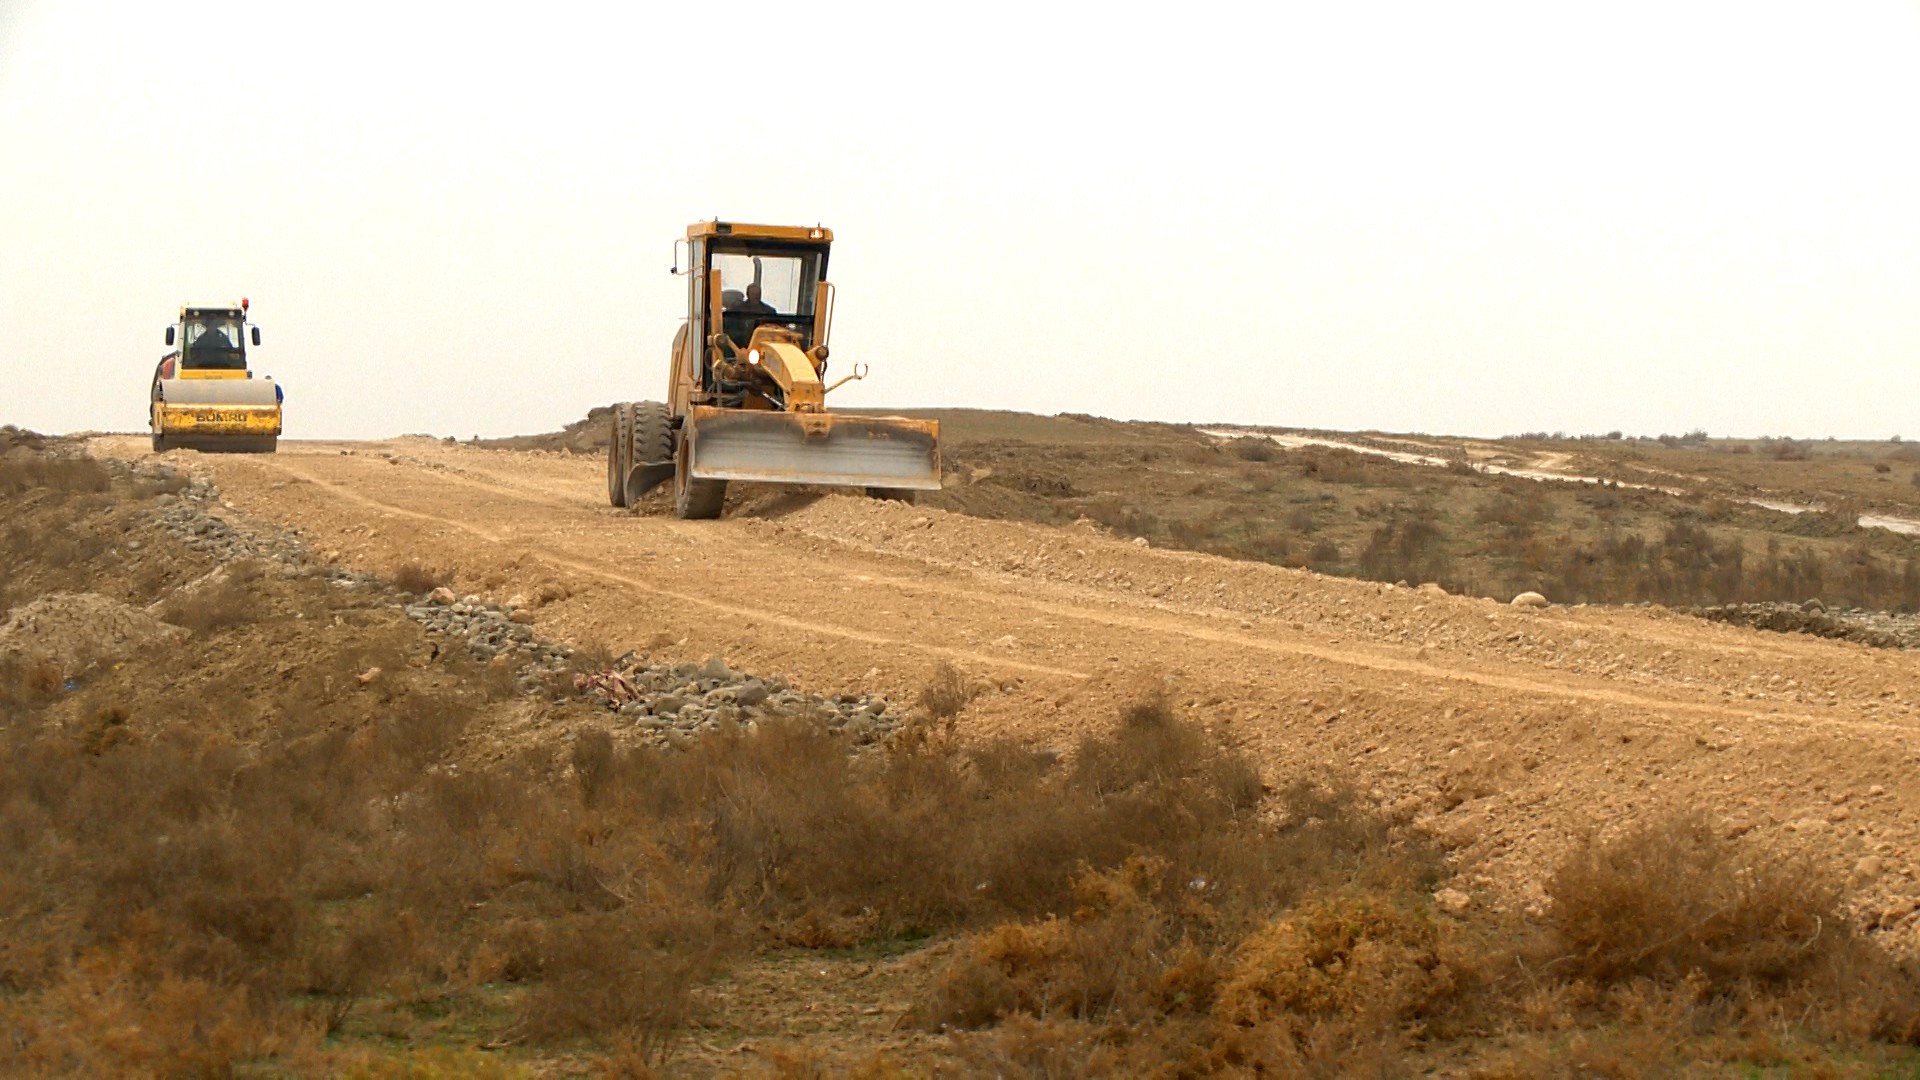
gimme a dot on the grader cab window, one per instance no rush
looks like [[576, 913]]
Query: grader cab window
[[766, 287]]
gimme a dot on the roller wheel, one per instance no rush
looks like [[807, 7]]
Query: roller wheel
[[695, 499], [619, 454], [159, 443], [650, 440], [904, 495]]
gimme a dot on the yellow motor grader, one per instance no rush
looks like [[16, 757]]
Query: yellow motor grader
[[746, 396], [203, 397]]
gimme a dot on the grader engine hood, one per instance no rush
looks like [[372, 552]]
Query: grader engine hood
[[834, 449]]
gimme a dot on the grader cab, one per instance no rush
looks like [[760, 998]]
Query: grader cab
[[748, 385]]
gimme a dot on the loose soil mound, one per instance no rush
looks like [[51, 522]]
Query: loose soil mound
[[82, 630]]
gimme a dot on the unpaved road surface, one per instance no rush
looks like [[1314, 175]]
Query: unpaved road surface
[[1507, 731]]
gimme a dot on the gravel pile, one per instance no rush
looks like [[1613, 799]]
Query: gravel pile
[[189, 516], [669, 700], [1880, 629], [662, 701], [491, 631]]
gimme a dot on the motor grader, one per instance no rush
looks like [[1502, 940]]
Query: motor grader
[[203, 396], [747, 386]]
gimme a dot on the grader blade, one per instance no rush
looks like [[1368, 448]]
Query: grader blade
[[835, 449]]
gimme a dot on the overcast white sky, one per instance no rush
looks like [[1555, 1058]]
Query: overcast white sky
[[1463, 218]]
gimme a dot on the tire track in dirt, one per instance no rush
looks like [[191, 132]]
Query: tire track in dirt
[[1181, 626], [605, 573]]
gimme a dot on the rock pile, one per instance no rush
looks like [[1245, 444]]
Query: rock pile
[[188, 516], [669, 700], [491, 631], [1880, 629]]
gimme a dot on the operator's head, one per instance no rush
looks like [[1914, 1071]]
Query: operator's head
[[753, 292]]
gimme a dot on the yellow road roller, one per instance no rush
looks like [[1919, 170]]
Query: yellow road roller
[[204, 397]]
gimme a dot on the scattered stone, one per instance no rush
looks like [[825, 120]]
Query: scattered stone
[[442, 596], [1530, 600], [1452, 901]]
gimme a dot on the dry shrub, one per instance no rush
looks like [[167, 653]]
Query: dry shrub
[[593, 763], [1755, 937], [1673, 897], [1254, 448], [414, 576], [152, 485], [28, 680], [1325, 556], [1785, 449], [223, 600], [1108, 960], [26, 469], [628, 972], [1130, 984], [111, 1015], [417, 577], [1346, 971], [948, 691], [799, 826], [433, 1063], [1060, 1048]]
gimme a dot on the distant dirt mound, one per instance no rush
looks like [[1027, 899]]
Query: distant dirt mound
[[588, 434], [82, 630]]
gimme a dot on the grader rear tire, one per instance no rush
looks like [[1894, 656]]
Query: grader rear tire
[[619, 454], [649, 443]]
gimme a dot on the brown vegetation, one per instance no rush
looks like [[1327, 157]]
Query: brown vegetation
[[1668, 948]]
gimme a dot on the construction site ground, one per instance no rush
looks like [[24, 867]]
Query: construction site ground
[[1509, 732]]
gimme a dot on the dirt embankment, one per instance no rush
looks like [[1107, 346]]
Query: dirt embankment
[[1511, 732]]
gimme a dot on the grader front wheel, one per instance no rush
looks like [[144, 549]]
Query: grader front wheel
[[696, 500]]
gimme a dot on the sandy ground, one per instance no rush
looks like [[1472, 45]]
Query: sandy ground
[[1508, 731]]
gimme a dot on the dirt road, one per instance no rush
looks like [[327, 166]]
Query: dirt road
[[1507, 731]]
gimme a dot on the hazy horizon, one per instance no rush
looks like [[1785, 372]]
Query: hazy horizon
[[1477, 220]]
